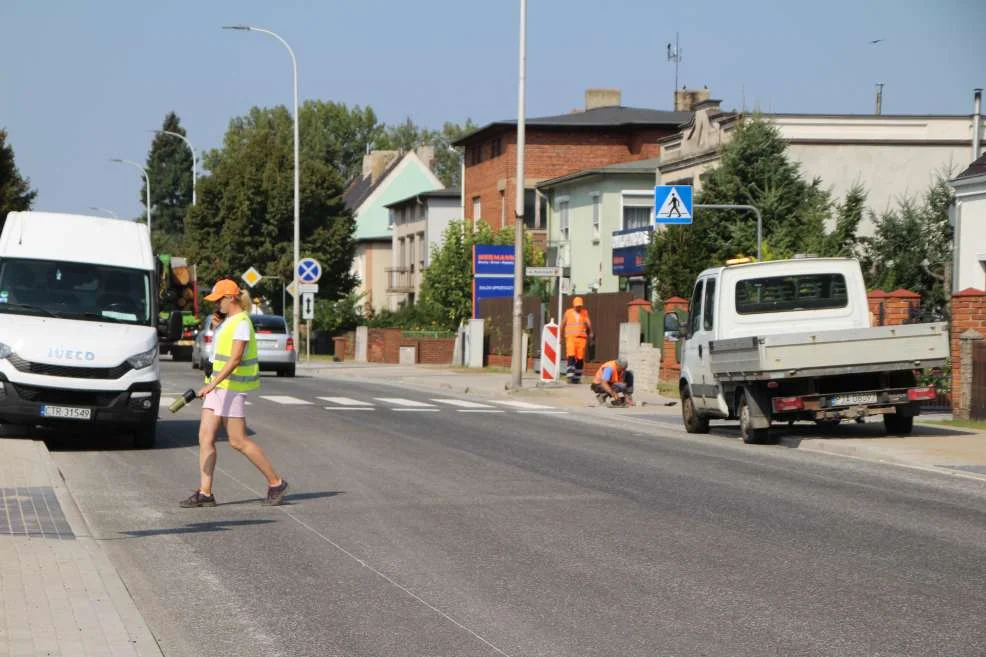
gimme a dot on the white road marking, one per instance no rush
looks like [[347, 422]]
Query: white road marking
[[461, 403], [410, 403], [474, 410], [542, 412], [346, 401], [285, 399], [419, 410], [525, 405], [350, 408]]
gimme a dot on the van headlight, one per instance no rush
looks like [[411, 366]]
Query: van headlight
[[145, 359], [5, 351]]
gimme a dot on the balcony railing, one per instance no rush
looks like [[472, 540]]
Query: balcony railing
[[402, 279]]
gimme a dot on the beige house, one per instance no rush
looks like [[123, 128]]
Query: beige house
[[893, 156], [417, 223], [387, 176]]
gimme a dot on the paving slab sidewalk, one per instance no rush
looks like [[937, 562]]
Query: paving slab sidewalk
[[948, 449], [59, 593]]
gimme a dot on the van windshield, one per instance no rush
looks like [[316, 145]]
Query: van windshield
[[75, 290], [775, 294]]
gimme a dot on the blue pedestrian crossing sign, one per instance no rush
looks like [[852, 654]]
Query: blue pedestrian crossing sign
[[309, 270], [673, 204]]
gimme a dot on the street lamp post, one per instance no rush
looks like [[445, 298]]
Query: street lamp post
[[147, 185], [111, 213], [517, 358], [296, 307], [191, 148]]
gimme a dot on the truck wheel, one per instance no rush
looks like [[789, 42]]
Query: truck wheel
[[145, 436], [750, 435], [898, 425], [694, 421]]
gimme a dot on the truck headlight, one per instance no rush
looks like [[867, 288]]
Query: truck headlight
[[145, 359], [5, 351]]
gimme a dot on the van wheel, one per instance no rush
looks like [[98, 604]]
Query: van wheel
[[694, 421], [898, 425], [145, 436], [750, 435]]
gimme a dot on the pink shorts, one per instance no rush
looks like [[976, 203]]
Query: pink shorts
[[226, 403]]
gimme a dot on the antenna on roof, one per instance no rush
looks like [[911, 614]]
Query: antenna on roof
[[674, 55]]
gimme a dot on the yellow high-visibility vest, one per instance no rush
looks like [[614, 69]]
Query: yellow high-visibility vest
[[246, 376]]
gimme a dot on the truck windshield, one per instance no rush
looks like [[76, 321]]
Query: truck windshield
[[791, 293], [75, 290]]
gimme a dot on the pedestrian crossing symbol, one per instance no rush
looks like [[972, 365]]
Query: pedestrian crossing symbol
[[673, 203]]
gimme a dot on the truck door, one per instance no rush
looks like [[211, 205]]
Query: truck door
[[701, 320], [693, 353], [705, 333]]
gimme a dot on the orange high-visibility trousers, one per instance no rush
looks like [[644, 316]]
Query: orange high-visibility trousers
[[575, 347]]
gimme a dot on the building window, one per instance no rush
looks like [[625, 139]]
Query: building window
[[421, 211], [638, 208], [391, 218], [563, 218], [535, 213], [496, 147], [422, 251], [401, 253], [596, 212], [477, 208]]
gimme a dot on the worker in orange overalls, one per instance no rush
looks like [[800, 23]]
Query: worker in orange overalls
[[577, 329], [614, 383]]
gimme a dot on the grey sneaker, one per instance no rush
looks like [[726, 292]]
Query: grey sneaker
[[275, 494], [197, 499]]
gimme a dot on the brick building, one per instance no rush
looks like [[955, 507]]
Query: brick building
[[603, 133]]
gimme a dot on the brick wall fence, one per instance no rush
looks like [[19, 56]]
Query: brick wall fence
[[383, 346], [968, 312], [893, 308]]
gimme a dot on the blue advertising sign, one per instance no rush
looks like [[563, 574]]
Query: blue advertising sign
[[493, 260], [493, 273], [494, 288], [630, 251]]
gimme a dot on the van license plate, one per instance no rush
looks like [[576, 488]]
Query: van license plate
[[853, 400], [66, 412]]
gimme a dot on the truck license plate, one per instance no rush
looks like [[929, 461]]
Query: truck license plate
[[853, 400], [66, 412]]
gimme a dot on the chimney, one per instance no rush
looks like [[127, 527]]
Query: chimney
[[375, 162], [427, 155], [596, 98], [686, 99], [977, 121]]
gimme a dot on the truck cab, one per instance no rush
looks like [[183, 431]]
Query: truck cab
[[799, 331], [78, 324]]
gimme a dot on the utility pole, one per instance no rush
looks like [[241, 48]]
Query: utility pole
[[517, 359]]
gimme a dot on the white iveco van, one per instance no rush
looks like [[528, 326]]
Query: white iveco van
[[78, 325]]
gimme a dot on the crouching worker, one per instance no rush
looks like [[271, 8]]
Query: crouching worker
[[614, 383]]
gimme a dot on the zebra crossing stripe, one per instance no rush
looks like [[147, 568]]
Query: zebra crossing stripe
[[286, 399], [346, 401], [408, 403], [461, 403], [524, 405]]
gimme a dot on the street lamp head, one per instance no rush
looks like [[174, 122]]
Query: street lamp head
[[115, 159], [236, 27]]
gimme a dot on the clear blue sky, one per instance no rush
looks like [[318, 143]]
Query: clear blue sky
[[83, 81]]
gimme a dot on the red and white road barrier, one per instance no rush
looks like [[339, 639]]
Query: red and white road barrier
[[550, 352]]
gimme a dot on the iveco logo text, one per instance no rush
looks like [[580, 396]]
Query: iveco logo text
[[70, 354]]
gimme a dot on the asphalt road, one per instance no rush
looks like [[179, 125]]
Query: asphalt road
[[460, 531]]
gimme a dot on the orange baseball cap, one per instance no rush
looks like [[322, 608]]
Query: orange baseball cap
[[577, 301], [223, 288]]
